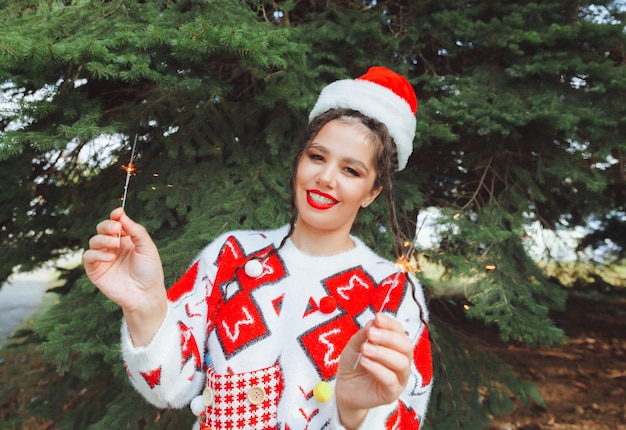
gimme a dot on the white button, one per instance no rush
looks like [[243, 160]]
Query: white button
[[254, 268], [256, 395]]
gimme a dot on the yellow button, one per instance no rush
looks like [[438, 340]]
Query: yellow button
[[256, 395], [207, 396], [322, 391]]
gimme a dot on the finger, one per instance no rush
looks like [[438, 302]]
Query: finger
[[387, 379], [92, 256], [102, 241], [109, 227], [117, 213], [390, 339], [395, 361], [389, 332], [137, 233], [390, 347], [384, 321]]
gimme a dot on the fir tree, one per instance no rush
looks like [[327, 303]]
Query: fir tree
[[521, 117]]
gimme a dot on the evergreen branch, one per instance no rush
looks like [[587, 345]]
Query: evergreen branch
[[12, 51], [481, 185]]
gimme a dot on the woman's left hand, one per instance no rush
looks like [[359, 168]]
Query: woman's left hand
[[382, 371]]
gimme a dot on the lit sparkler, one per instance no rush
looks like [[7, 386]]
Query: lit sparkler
[[130, 170]]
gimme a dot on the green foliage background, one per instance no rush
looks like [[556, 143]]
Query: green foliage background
[[521, 106]]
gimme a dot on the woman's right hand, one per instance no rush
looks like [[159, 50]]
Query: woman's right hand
[[123, 262]]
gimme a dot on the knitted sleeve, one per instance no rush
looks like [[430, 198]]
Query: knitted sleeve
[[169, 371]]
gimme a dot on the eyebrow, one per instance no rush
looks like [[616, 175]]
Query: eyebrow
[[348, 160]]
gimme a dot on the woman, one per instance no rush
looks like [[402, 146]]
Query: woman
[[302, 327]]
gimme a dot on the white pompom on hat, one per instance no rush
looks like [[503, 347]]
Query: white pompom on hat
[[381, 94]]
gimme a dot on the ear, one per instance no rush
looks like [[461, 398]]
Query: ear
[[371, 196]]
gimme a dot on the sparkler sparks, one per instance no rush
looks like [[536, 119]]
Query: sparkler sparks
[[130, 170]]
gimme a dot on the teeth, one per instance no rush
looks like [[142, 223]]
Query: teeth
[[321, 199]]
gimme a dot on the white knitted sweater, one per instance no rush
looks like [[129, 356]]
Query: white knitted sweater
[[280, 326]]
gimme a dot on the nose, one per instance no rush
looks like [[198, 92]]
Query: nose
[[326, 176]]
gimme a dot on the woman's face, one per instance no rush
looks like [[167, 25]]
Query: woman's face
[[335, 177]]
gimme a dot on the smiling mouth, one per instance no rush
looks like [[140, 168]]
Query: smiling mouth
[[320, 201]]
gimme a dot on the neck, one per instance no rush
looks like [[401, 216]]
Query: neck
[[321, 243]]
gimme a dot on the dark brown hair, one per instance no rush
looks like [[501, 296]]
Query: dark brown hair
[[386, 162]]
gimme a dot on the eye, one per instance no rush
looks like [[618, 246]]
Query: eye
[[316, 157], [352, 171]]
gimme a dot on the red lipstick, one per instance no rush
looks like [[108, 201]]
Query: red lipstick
[[319, 200]]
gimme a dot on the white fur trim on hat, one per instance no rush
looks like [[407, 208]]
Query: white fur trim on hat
[[375, 101]]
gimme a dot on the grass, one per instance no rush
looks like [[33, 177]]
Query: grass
[[571, 272], [579, 277]]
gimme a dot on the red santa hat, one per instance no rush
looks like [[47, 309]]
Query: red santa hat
[[380, 94]]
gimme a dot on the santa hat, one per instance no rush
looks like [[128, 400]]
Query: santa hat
[[380, 94]]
